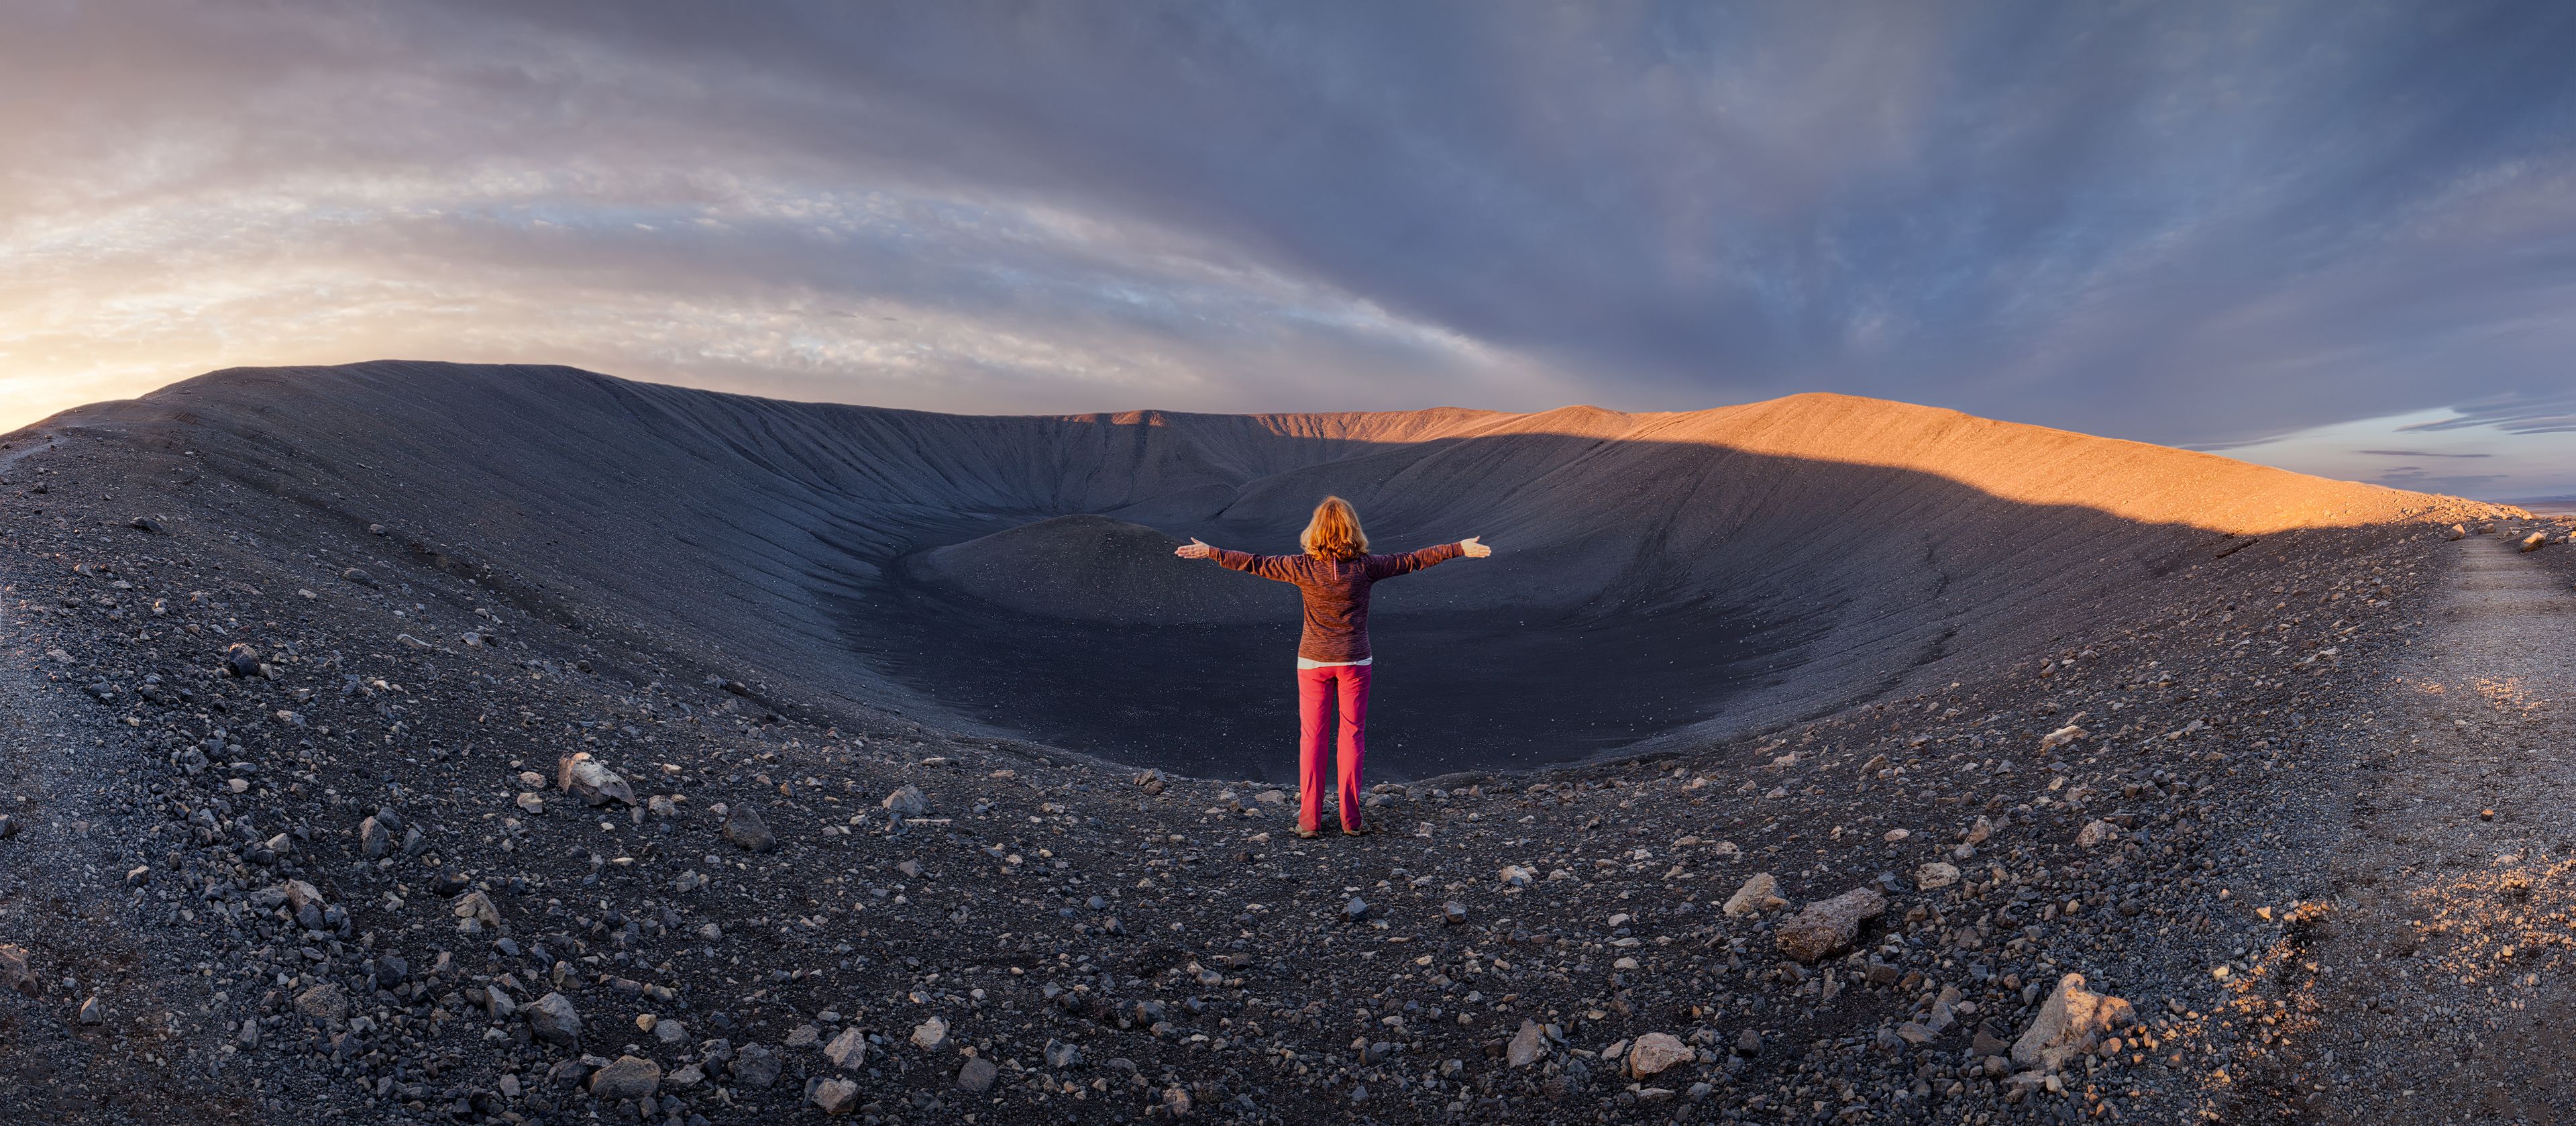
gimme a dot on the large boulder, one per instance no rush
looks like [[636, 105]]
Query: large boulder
[[2073, 1022], [1828, 926]]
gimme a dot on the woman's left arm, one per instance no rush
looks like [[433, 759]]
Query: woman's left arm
[[1388, 566]]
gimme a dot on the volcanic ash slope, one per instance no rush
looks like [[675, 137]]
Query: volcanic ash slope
[[302, 661]]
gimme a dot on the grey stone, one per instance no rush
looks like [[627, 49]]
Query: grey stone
[[1528, 1046], [629, 1078], [1060, 1054], [755, 1067], [1829, 925], [907, 802], [551, 1018], [977, 1076], [743, 827], [835, 1096]]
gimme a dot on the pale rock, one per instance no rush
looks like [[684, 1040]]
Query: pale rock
[[630, 1077], [1827, 926], [590, 780], [836, 1096], [1656, 1052], [849, 1050], [907, 802], [1935, 875], [2072, 1022], [930, 1034], [1528, 1046], [1760, 893]]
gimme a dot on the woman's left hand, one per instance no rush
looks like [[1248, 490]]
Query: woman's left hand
[[1194, 549], [1474, 549]]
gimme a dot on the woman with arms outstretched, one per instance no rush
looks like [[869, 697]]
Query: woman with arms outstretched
[[1333, 654]]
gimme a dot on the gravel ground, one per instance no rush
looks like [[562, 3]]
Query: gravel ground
[[2430, 983], [299, 842]]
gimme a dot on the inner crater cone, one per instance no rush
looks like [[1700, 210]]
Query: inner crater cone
[[1659, 579]]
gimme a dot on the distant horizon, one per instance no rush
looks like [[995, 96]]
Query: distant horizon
[[2566, 501]]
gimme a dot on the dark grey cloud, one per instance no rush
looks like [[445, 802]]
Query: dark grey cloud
[[2185, 222]]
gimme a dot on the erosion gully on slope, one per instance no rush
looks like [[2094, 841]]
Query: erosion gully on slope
[[2433, 986]]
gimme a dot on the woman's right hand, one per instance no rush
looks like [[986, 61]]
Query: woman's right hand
[[1194, 549], [1473, 549]]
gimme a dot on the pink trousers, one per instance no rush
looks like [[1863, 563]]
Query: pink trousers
[[1320, 694]]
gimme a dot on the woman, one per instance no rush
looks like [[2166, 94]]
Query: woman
[[1333, 654]]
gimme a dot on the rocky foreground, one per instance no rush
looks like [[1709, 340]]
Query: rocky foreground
[[308, 820]]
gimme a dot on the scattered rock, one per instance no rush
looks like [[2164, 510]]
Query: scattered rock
[[835, 1096], [2534, 541], [977, 1076], [1528, 1046], [1936, 875], [743, 827], [849, 1050], [2072, 1022], [755, 1067], [1656, 1052], [241, 660], [14, 973], [629, 1078], [930, 1035], [1355, 910], [323, 1002], [91, 1013], [1759, 894], [1453, 912], [907, 802], [1061, 1055], [587, 778], [1830, 925], [2096, 832], [552, 1019]]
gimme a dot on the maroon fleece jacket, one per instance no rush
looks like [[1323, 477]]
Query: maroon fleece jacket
[[1336, 592]]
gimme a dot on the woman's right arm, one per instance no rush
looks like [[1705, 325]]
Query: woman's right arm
[[1266, 566]]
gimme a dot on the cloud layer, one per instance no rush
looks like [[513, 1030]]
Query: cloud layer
[[2204, 223]]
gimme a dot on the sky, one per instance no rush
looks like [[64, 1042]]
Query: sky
[[2336, 236]]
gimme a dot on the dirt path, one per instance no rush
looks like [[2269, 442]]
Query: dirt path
[[2437, 986]]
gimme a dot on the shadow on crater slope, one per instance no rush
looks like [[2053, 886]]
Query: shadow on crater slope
[[1661, 579]]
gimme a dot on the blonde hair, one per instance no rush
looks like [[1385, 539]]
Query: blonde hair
[[1335, 532]]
